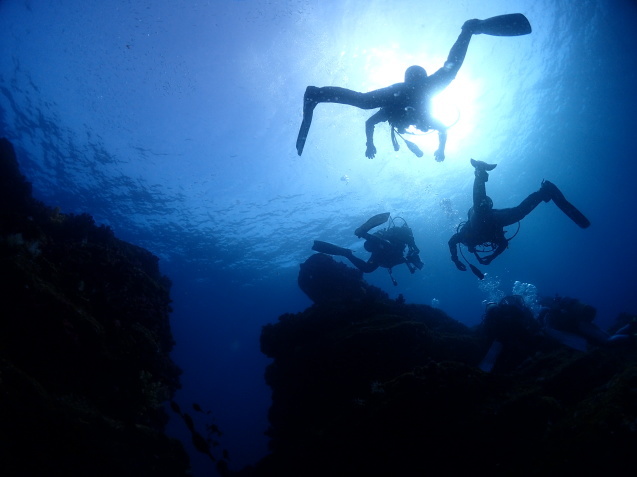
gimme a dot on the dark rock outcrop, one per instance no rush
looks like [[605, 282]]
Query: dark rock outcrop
[[368, 386], [324, 280], [84, 345]]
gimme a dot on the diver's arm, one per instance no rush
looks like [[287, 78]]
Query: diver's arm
[[408, 237], [375, 239], [376, 118], [413, 260], [442, 141], [412, 268], [439, 155], [453, 248]]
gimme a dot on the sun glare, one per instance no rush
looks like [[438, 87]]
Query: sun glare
[[453, 106], [384, 67]]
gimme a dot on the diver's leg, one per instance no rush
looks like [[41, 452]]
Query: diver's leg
[[482, 177], [330, 249], [515, 214], [547, 192], [459, 49], [479, 188], [362, 265], [334, 94], [502, 25]]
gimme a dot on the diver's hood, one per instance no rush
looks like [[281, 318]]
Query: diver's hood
[[415, 74]]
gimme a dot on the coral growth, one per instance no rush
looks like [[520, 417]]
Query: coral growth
[[365, 385], [84, 345]]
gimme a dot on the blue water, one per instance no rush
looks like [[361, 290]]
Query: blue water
[[174, 122]]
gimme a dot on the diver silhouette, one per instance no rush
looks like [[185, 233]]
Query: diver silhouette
[[409, 103], [485, 225], [386, 247]]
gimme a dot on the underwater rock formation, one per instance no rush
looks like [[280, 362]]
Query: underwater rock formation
[[324, 280], [84, 345], [367, 386]]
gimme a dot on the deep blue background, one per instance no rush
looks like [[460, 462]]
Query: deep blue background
[[174, 123]]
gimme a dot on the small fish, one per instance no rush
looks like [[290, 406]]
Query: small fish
[[188, 420], [175, 407], [202, 445], [213, 429]]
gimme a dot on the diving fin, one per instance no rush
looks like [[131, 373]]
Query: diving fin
[[482, 165], [330, 249], [374, 221], [303, 131], [511, 24], [309, 103], [565, 206], [573, 213]]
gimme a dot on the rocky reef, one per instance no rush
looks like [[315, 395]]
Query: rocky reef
[[365, 385], [84, 345]]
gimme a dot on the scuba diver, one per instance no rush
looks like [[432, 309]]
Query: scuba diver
[[571, 322], [624, 332], [565, 319], [485, 225], [513, 332], [409, 103], [386, 246]]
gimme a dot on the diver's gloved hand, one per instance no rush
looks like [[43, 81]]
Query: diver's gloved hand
[[439, 155], [459, 265], [414, 259], [371, 151]]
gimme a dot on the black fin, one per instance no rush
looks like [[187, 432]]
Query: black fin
[[372, 222], [571, 211], [303, 131], [511, 24], [328, 248]]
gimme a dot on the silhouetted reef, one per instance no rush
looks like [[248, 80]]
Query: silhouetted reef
[[363, 385], [84, 345]]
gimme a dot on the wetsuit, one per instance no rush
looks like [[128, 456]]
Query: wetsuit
[[387, 247], [402, 104], [486, 225]]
